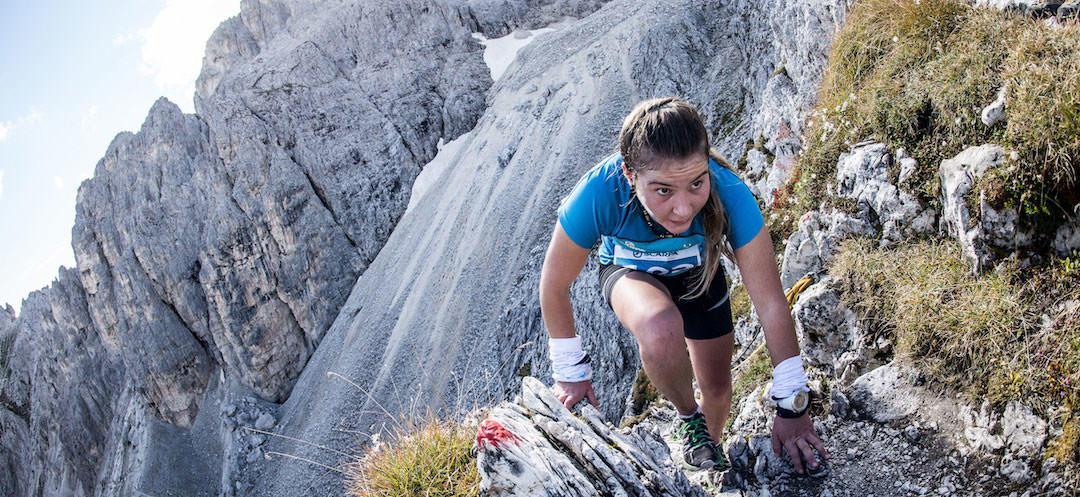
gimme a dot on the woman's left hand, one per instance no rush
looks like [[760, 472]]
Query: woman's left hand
[[798, 438]]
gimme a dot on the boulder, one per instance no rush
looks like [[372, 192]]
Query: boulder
[[536, 446], [981, 428], [809, 249], [1067, 237], [977, 232], [883, 394], [863, 175], [830, 337], [995, 111], [1024, 432]]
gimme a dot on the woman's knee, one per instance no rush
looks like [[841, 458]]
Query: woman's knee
[[716, 390], [661, 333]]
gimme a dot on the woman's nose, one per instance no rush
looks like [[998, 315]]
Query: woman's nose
[[682, 208]]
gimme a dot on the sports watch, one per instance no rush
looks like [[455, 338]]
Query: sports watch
[[792, 406]]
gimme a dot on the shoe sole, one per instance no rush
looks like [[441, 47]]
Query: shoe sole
[[707, 465]]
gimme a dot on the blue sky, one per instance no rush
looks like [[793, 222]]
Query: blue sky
[[74, 75]]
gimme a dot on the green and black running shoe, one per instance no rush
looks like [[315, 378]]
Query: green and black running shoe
[[699, 451]]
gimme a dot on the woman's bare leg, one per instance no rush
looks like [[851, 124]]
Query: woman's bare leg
[[712, 368], [644, 306]]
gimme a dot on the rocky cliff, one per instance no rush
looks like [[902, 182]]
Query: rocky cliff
[[252, 268]]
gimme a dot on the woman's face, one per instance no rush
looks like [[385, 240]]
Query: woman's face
[[675, 191]]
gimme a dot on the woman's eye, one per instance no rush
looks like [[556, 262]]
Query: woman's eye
[[697, 184], [663, 191]]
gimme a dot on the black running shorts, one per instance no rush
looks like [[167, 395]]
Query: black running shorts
[[704, 317]]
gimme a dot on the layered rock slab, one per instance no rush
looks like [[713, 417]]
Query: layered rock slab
[[536, 446]]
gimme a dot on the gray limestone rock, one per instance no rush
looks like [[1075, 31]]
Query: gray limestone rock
[[1030, 7], [809, 249], [1017, 471], [57, 399], [830, 337], [495, 18], [907, 166], [1070, 9], [1024, 432], [536, 446], [981, 428], [862, 175], [207, 247], [977, 232], [883, 394], [995, 111], [1067, 237], [760, 177]]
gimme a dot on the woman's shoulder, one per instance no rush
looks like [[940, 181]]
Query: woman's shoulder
[[607, 170], [725, 178], [606, 177]]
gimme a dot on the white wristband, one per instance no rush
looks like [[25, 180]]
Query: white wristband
[[568, 361], [788, 378]]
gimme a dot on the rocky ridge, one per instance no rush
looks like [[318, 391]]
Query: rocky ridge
[[214, 250], [251, 269]]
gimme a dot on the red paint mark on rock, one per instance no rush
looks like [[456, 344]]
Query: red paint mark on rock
[[494, 433]]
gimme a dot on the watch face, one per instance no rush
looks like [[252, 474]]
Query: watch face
[[800, 402]]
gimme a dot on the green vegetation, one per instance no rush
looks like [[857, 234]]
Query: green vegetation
[[916, 75], [740, 302], [756, 371], [1009, 335], [433, 458], [642, 395]]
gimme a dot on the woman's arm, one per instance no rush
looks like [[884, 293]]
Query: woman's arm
[[562, 264], [757, 265]]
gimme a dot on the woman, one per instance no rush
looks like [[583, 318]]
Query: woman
[[664, 209]]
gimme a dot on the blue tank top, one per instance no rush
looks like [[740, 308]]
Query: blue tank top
[[600, 208]]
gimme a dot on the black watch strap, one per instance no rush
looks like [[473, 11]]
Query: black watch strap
[[789, 414]]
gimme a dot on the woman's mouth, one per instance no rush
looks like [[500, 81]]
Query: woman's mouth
[[679, 225]]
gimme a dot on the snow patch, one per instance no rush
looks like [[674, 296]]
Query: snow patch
[[433, 170], [500, 52]]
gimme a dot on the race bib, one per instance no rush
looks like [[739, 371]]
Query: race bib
[[662, 257]]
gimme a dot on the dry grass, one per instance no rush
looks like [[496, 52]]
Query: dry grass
[[431, 458], [755, 371], [916, 75], [642, 394], [1010, 335], [740, 302]]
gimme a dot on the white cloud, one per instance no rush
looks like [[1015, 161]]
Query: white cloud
[[1, 183], [120, 40], [31, 117], [172, 45], [59, 182]]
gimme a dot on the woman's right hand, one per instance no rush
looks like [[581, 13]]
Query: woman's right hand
[[571, 392]]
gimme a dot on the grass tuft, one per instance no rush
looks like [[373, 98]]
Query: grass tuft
[[1008, 335], [916, 75], [431, 457], [756, 371], [740, 302]]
